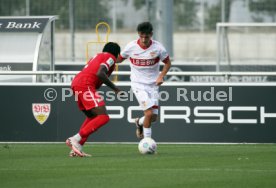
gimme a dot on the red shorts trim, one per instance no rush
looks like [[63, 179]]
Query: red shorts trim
[[87, 98]]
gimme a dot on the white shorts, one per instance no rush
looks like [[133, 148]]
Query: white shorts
[[147, 95]]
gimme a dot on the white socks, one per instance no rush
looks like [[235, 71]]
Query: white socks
[[147, 132], [141, 120], [77, 137]]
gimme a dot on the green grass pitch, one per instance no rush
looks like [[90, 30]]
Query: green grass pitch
[[120, 165]]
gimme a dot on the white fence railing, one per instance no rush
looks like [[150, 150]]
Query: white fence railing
[[183, 73], [58, 76]]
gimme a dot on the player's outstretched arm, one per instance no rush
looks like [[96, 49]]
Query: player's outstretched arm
[[161, 76], [120, 59], [102, 75]]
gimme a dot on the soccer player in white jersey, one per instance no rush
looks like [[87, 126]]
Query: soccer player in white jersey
[[145, 55]]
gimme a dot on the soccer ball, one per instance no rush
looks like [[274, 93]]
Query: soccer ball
[[147, 146]]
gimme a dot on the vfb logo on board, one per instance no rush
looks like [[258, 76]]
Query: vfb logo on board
[[41, 112]]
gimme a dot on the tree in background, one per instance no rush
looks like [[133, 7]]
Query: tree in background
[[185, 14], [138, 4], [87, 12], [214, 14], [213, 17], [12, 7], [267, 7]]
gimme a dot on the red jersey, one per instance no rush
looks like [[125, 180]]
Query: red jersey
[[88, 76]]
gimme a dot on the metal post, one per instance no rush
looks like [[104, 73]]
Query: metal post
[[218, 48], [72, 27], [27, 7], [202, 12], [149, 10], [53, 45], [223, 11], [164, 24], [114, 16]]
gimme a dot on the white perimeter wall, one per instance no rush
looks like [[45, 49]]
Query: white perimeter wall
[[199, 47]]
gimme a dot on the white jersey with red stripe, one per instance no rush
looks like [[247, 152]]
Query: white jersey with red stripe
[[145, 61]]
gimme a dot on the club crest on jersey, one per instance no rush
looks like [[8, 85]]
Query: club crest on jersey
[[41, 112], [153, 54]]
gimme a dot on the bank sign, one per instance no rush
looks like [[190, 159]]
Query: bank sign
[[22, 24]]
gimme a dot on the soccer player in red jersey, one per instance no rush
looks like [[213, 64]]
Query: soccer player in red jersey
[[145, 55], [85, 85]]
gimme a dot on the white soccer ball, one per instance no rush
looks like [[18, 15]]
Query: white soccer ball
[[147, 146]]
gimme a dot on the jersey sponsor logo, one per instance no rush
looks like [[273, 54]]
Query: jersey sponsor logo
[[41, 112], [144, 62]]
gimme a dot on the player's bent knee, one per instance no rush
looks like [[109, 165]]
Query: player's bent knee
[[149, 114], [89, 113], [107, 118]]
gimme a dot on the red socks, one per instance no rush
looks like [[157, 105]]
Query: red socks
[[91, 125]]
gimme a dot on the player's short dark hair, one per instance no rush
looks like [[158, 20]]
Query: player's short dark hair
[[113, 48], [145, 27]]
